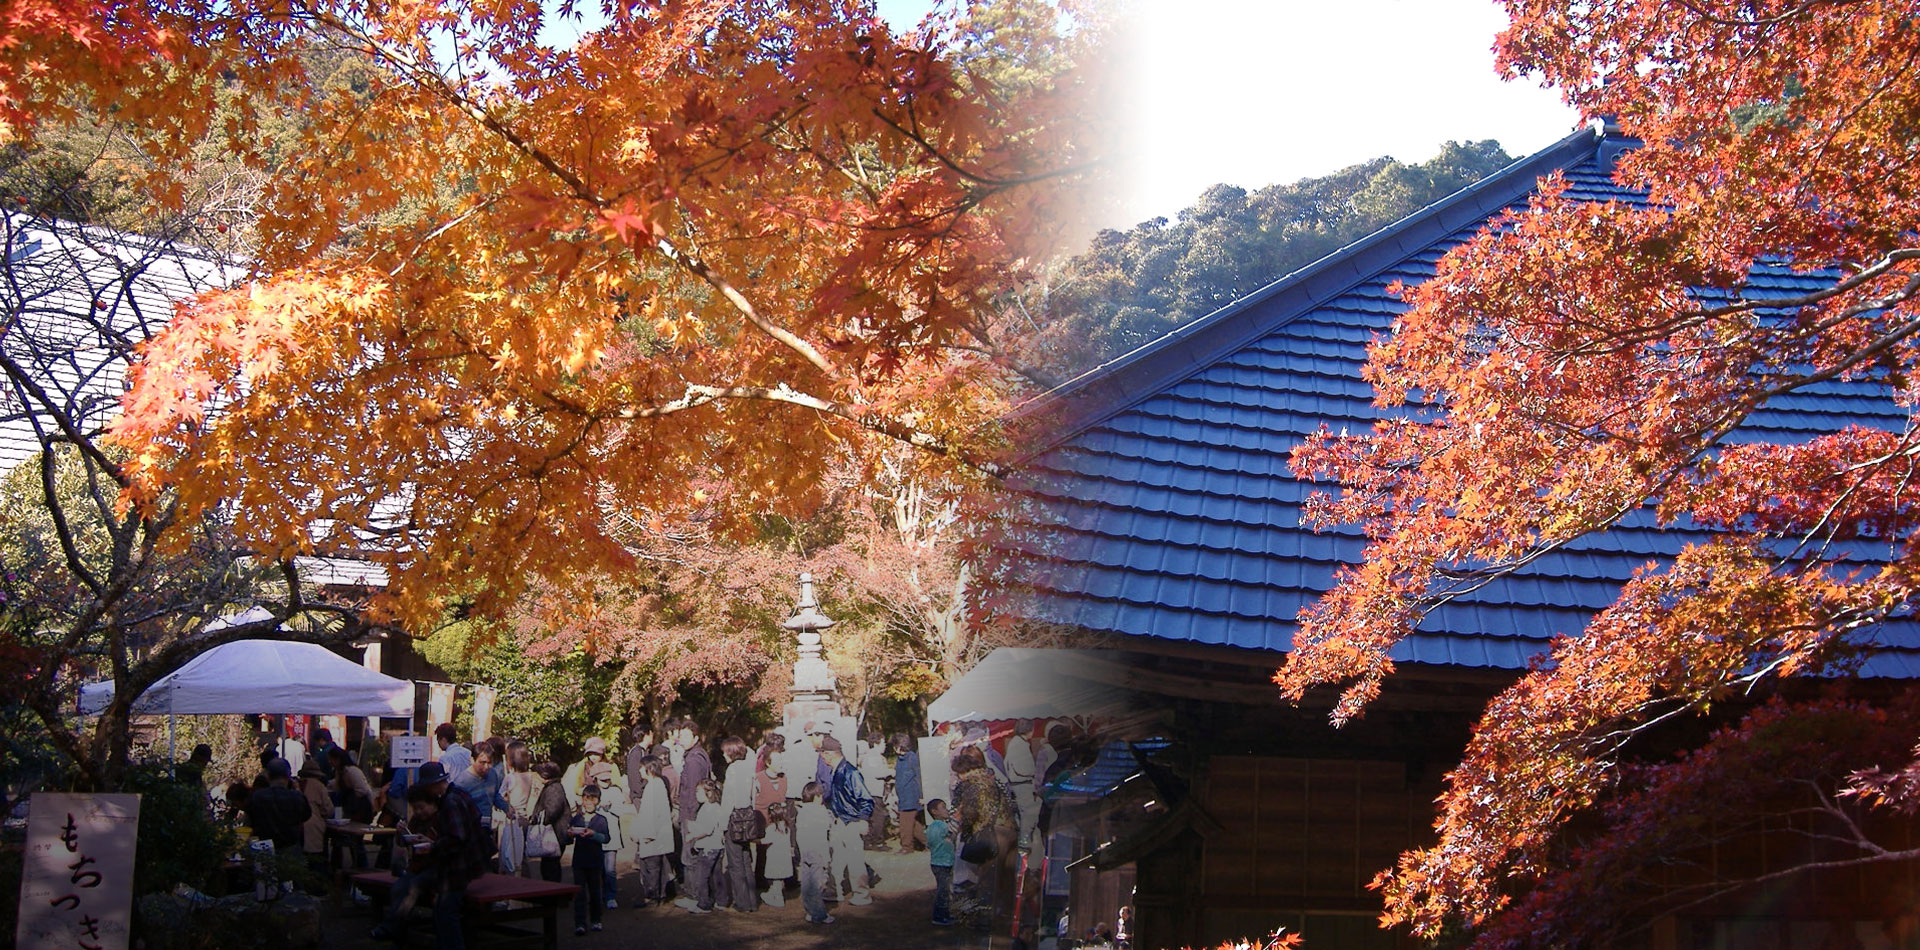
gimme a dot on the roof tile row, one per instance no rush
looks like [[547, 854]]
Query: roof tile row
[[1174, 514]]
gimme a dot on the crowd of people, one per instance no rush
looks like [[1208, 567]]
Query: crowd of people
[[701, 824]]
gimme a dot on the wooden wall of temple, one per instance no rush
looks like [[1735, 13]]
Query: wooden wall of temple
[[1299, 840]]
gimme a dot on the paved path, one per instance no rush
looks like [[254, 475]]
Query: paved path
[[896, 920]]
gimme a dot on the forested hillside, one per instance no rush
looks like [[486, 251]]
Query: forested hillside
[[1132, 286]]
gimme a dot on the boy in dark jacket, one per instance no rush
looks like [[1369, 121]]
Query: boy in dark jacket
[[589, 831]]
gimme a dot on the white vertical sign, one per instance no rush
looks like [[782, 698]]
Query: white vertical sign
[[77, 885], [439, 709], [483, 697]]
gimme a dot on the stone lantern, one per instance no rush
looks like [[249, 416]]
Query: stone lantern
[[813, 680]]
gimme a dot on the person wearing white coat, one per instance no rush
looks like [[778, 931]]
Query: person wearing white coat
[[653, 833]]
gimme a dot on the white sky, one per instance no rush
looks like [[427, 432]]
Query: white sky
[[1258, 92]]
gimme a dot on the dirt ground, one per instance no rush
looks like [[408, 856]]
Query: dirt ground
[[898, 919]]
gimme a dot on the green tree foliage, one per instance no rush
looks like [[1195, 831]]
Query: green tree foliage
[[1131, 287], [554, 703]]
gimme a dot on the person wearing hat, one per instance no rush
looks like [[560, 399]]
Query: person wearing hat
[[440, 868], [851, 806], [276, 811], [817, 731], [313, 787], [596, 770]]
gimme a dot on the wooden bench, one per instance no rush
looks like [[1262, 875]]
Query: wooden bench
[[544, 899], [340, 838]]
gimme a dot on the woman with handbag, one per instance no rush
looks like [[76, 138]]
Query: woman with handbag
[[520, 788], [546, 826], [989, 829], [745, 825]]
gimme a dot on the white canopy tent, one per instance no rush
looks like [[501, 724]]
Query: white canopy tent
[[265, 676], [1036, 683]]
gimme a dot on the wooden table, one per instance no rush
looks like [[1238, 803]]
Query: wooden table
[[544, 899], [338, 838]]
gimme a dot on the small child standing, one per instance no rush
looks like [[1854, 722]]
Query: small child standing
[[810, 825], [779, 844], [940, 832], [589, 831], [706, 835]]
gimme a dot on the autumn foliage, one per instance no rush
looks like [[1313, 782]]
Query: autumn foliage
[[509, 286], [1587, 373]]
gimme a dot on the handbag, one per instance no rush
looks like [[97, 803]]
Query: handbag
[[542, 842], [746, 825], [980, 848], [513, 845]]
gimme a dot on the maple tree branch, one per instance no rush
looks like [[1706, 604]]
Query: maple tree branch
[[1481, 577], [1791, 13], [1862, 473], [697, 395], [1831, 807], [694, 265], [996, 184], [61, 529], [1619, 342], [22, 379], [433, 82], [177, 653], [442, 228], [1723, 888]]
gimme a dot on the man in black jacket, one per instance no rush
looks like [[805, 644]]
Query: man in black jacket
[[442, 867], [277, 811]]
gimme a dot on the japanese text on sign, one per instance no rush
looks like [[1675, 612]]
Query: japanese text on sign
[[77, 889]]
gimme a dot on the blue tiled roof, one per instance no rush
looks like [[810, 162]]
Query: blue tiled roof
[[1173, 513], [1115, 763]]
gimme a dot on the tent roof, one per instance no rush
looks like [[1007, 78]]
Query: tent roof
[[267, 676], [1032, 683]]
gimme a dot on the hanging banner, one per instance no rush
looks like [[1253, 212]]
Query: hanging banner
[[439, 709], [76, 889], [483, 697], [298, 728], [371, 728], [371, 660], [292, 745]]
